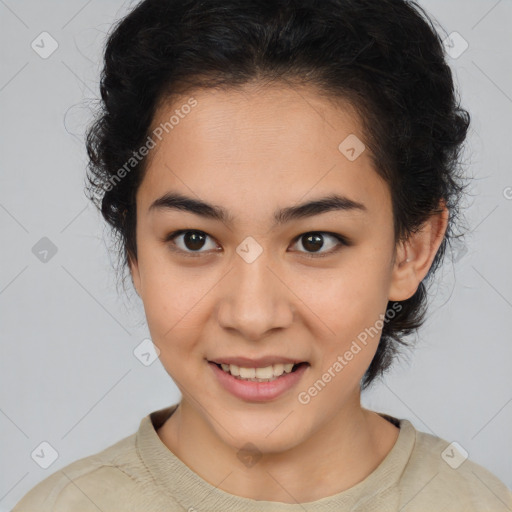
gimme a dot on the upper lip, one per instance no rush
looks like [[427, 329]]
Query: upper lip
[[260, 362]]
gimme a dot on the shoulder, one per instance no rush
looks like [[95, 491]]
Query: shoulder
[[92, 483], [440, 474]]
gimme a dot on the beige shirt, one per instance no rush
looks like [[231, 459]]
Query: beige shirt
[[140, 474]]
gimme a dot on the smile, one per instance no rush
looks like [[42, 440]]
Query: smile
[[258, 383], [266, 374]]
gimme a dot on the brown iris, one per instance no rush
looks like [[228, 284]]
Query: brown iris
[[312, 242], [194, 240]]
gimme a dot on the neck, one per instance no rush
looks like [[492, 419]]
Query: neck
[[337, 456]]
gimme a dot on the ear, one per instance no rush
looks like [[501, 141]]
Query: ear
[[414, 257], [134, 271]]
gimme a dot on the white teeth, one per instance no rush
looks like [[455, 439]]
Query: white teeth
[[247, 373], [267, 373], [278, 369]]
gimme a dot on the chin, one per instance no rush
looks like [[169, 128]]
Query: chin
[[272, 433]]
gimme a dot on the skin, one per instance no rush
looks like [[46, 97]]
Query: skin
[[255, 150]]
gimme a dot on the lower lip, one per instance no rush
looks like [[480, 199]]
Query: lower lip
[[258, 391]]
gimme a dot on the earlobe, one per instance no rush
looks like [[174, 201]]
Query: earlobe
[[414, 257]]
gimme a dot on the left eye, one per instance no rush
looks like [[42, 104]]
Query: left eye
[[314, 241]]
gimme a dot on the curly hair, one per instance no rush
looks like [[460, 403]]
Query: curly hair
[[384, 57]]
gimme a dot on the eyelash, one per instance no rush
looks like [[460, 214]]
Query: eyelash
[[171, 236]]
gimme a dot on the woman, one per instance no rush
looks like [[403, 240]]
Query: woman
[[283, 178]]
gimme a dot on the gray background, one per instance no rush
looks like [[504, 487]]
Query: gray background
[[69, 374]]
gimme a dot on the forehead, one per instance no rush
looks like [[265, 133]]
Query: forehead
[[259, 121], [280, 144]]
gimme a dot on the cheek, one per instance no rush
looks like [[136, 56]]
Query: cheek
[[172, 300], [351, 307], [348, 298], [350, 303]]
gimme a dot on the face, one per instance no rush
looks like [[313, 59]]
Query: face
[[255, 279]]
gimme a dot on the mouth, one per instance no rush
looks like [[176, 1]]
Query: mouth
[[260, 380], [268, 373]]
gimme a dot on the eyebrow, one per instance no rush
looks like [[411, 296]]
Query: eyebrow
[[334, 202]]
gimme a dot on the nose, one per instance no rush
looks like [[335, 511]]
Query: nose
[[254, 300]]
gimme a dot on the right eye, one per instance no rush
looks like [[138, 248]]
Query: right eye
[[191, 241]]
